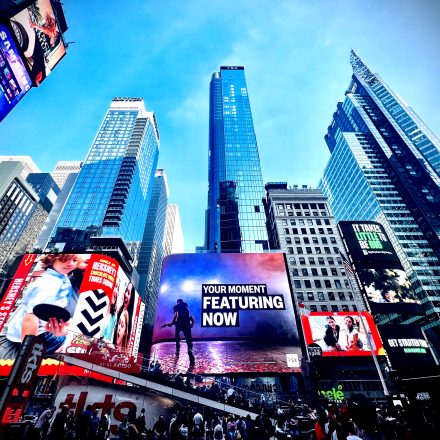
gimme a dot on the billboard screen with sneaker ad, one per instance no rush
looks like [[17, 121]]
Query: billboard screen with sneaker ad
[[225, 313], [79, 304]]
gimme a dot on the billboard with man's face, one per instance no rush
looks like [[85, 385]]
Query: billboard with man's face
[[225, 313], [39, 37], [342, 333], [79, 304]]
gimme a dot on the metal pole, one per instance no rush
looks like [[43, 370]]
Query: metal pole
[[369, 342]]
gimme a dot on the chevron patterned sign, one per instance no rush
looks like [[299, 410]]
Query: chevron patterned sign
[[91, 312]]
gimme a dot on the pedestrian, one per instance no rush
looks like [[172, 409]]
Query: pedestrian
[[83, 423], [160, 429], [58, 428], [43, 423], [93, 425], [141, 424]]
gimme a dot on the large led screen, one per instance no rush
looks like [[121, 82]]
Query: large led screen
[[342, 333], [40, 39], [79, 304], [367, 241], [14, 79], [406, 347], [231, 313]]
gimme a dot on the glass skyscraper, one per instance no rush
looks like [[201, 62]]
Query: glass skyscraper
[[235, 219], [384, 167], [111, 195]]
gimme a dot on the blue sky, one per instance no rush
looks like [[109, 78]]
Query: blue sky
[[296, 56]]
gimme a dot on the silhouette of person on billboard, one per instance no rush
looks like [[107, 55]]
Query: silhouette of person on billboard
[[184, 322]]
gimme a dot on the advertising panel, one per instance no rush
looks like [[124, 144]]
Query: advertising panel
[[367, 241], [40, 39], [14, 79], [406, 347], [234, 311], [81, 304], [342, 333], [384, 282]]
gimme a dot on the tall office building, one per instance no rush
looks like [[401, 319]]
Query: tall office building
[[152, 249], [235, 216], [29, 166], [110, 198], [62, 170], [300, 224], [384, 166], [174, 242]]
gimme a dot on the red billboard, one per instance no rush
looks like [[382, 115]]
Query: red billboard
[[234, 311], [71, 301], [40, 39], [342, 333]]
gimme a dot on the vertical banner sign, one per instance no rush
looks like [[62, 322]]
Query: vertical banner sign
[[11, 295], [22, 380]]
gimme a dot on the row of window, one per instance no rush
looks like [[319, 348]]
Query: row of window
[[310, 222], [314, 272], [311, 260], [308, 250], [306, 240], [304, 231], [299, 284]]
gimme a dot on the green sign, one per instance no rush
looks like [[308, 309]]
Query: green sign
[[333, 394]]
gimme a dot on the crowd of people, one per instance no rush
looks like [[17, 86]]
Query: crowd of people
[[348, 420]]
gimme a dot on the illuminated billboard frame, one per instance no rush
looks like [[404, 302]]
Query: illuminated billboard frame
[[40, 39], [14, 79], [237, 315], [336, 333], [99, 299]]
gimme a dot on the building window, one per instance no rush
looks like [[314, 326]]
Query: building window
[[290, 250], [301, 222], [288, 240], [257, 208], [292, 222], [324, 240], [312, 260], [280, 206], [308, 250], [286, 230], [305, 272], [284, 222], [345, 308], [297, 284], [341, 296], [288, 206], [292, 261], [330, 260], [313, 309], [327, 221], [315, 240], [300, 296], [302, 260], [314, 272], [297, 240], [321, 260], [338, 284], [327, 250], [329, 231], [294, 231], [318, 284], [307, 284], [310, 296], [334, 271], [324, 308], [331, 296], [295, 272], [334, 308], [306, 240], [327, 283], [324, 271], [299, 250], [333, 240]]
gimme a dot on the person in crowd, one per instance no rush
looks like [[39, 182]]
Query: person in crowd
[[83, 423], [331, 335], [160, 429], [123, 429], [350, 428], [104, 426], [70, 426], [141, 422], [183, 322], [42, 425], [58, 428], [198, 421], [51, 287], [352, 332], [94, 425]]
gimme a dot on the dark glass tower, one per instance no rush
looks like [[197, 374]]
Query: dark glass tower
[[384, 167], [235, 214]]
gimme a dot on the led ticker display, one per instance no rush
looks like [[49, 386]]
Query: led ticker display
[[40, 39], [70, 301], [235, 310], [342, 333], [14, 79]]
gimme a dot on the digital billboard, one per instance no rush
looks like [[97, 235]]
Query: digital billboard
[[383, 280], [367, 241], [14, 78], [40, 39], [342, 333], [234, 311], [71, 301], [406, 347]]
